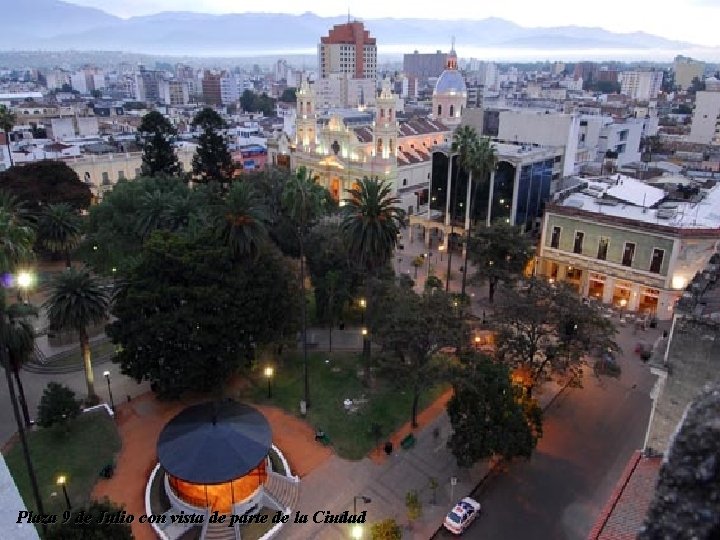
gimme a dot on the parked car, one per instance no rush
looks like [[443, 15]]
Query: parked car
[[462, 515]]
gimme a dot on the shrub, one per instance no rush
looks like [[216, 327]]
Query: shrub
[[57, 405], [414, 507], [386, 529]]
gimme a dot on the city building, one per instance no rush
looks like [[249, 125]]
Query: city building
[[424, 66], [147, 83], [641, 85], [627, 243], [449, 97], [229, 88], [705, 127], [686, 70], [348, 48], [212, 88], [174, 92]]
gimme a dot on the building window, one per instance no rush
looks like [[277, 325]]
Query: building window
[[657, 260], [628, 254], [602, 248], [137, 172], [577, 246], [121, 175], [452, 111], [106, 178], [404, 181], [555, 238], [439, 110]]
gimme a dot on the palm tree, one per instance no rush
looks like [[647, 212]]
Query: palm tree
[[477, 157], [302, 201], [19, 336], [59, 229], [76, 301], [371, 226], [154, 212], [240, 221], [16, 241], [7, 121]]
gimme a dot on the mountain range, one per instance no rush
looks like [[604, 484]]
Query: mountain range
[[57, 25]]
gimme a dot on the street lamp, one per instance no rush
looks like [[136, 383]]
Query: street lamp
[[106, 374], [363, 305], [356, 532], [25, 280], [441, 249], [363, 498], [62, 482], [269, 372], [477, 342]]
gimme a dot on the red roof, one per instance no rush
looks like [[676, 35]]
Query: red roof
[[625, 511], [352, 32]]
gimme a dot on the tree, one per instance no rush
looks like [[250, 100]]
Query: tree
[[77, 301], [302, 201], [247, 100], [371, 224], [212, 160], [57, 406], [190, 314], [40, 183], [413, 505], [500, 253], [240, 221], [487, 417], [545, 328], [79, 527], [156, 135], [19, 336], [288, 95], [476, 156], [7, 122], [16, 240], [59, 229], [387, 529], [412, 329]]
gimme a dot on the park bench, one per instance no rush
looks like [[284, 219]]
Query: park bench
[[408, 442], [323, 437]]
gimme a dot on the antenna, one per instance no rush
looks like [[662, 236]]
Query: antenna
[[348, 14], [452, 48]]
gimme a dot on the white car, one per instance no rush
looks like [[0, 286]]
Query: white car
[[462, 515]]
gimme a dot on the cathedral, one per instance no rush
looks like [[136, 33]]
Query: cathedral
[[341, 146]]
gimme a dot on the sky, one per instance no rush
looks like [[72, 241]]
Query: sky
[[694, 21]]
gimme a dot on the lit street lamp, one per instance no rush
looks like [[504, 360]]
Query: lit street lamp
[[363, 498], [269, 372], [441, 249], [25, 279], [106, 374], [62, 482], [356, 532]]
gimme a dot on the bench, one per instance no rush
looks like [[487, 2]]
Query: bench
[[408, 442], [323, 438]]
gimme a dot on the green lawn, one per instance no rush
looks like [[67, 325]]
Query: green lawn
[[91, 442], [333, 378]]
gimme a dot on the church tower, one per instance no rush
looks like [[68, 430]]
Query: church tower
[[306, 119], [385, 132], [450, 95]]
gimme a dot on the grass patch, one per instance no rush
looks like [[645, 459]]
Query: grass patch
[[91, 442], [333, 378]]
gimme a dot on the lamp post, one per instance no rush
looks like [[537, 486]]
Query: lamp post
[[269, 372], [62, 482], [356, 532], [363, 305], [477, 342], [441, 249], [25, 280], [106, 374]]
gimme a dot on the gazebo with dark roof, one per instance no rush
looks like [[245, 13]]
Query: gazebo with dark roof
[[215, 454]]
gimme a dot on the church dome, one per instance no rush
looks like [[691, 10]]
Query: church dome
[[450, 81]]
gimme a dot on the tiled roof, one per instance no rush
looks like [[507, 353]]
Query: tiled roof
[[625, 510], [364, 134], [421, 126]]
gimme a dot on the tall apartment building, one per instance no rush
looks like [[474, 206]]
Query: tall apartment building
[[423, 66], [686, 69], [229, 88], [641, 85], [348, 48], [174, 92], [706, 119], [148, 84], [212, 88]]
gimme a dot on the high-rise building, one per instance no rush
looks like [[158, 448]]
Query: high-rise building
[[706, 119], [211, 88], [229, 88], [686, 69], [348, 48], [148, 84], [641, 85], [423, 66], [174, 92]]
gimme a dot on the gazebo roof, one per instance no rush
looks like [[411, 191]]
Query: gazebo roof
[[213, 443]]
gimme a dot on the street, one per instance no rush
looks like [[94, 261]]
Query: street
[[589, 435]]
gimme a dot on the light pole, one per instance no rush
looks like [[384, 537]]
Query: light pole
[[441, 249], [269, 372], [25, 279], [107, 378], [62, 482], [356, 532]]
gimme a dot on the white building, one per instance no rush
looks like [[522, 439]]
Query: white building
[[706, 119], [339, 91], [174, 92], [686, 69], [229, 88], [641, 85]]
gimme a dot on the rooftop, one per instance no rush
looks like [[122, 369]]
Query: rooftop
[[625, 197]]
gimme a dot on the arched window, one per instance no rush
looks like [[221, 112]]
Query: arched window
[[379, 147], [382, 113], [452, 111], [301, 107], [439, 110], [309, 108], [390, 147], [390, 114]]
